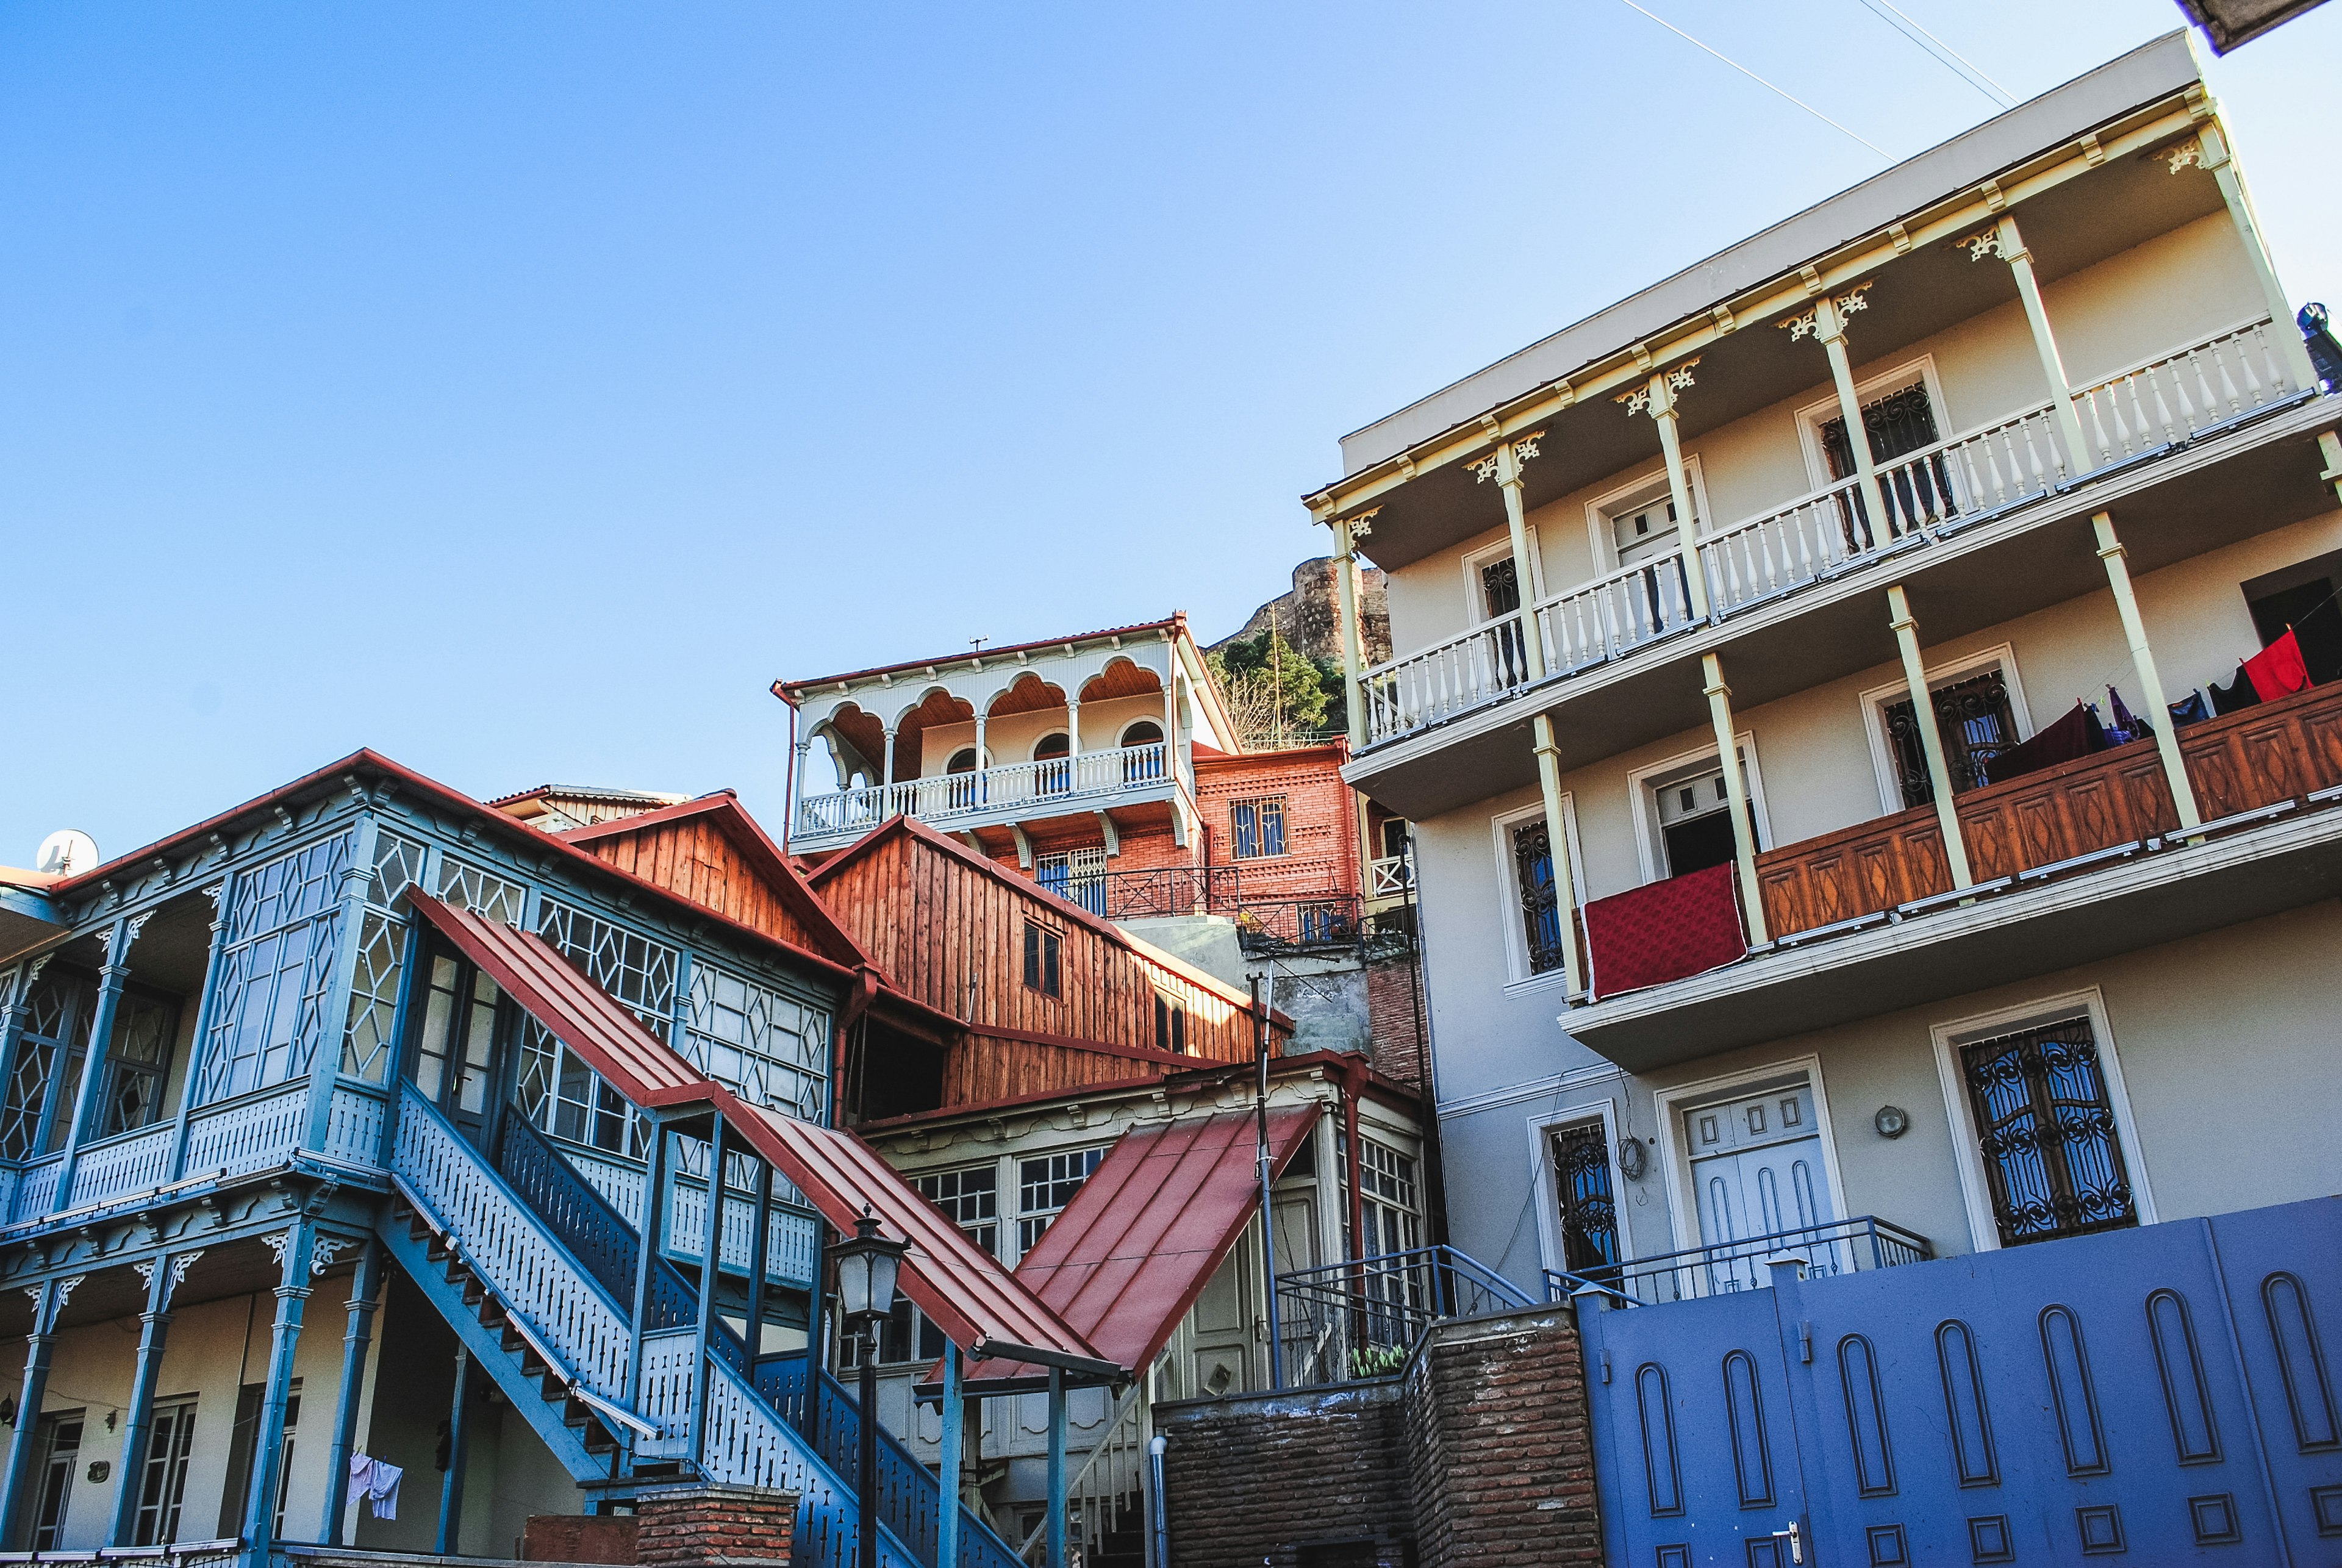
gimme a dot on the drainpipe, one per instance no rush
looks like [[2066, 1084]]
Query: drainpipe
[[1162, 1520]]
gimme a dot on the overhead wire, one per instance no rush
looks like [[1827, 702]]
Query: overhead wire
[[1951, 59], [1760, 80]]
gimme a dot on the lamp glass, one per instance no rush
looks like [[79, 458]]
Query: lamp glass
[[853, 1281]]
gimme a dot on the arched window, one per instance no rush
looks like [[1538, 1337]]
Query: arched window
[[963, 761], [1145, 765], [1054, 744], [1145, 732]]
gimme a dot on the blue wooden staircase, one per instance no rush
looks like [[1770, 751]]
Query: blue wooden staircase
[[530, 1266]]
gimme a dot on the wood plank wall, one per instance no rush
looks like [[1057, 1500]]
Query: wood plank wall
[[694, 858], [951, 935]]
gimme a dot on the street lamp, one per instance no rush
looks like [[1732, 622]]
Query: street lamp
[[866, 1267]]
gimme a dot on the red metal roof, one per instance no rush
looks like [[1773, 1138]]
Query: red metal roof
[[975, 1301], [1139, 1241], [584, 1017], [782, 688]]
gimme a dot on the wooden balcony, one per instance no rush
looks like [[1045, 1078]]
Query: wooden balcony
[[2082, 812]]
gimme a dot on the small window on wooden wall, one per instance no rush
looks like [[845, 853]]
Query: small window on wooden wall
[[1041, 951], [1170, 1024]]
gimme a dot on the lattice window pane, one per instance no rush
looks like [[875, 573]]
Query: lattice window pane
[[135, 1058], [638, 971], [1044, 1185], [483, 892], [397, 867], [57, 1017], [769, 1050], [366, 1043]]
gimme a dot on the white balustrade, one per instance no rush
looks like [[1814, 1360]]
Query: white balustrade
[[249, 1134], [2160, 402], [1615, 613], [1390, 877], [1486, 663], [517, 1258], [135, 1162], [1002, 788], [666, 1390]]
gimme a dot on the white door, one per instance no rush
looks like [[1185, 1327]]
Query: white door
[[1756, 1172]]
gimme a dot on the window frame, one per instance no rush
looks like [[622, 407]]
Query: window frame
[[1517, 973], [1671, 1153], [1602, 512], [1043, 966], [1874, 702], [1643, 802], [1047, 1217], [1264, 806], [1170, 1023], [1551, 1254], [1812, 416], [1949, 1036], [1475, 609]]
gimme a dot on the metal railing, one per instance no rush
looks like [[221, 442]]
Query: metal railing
[[1002, 787], [1346, 1322], [1317, 922], [1838, 1247], [2162, 402], [1157, 891]]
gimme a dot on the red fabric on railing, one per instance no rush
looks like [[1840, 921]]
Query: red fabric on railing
[[1683, 926]]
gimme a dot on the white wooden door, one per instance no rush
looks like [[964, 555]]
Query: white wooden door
[[1756, 1171]]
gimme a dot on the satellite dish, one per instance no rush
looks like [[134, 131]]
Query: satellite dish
[[68, 852]]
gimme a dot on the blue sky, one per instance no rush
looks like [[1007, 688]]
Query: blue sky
[[519, 389]]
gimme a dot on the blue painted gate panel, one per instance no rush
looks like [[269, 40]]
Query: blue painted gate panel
[[2163, 1394]]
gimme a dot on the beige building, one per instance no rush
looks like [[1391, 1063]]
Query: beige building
[[1726, 937]]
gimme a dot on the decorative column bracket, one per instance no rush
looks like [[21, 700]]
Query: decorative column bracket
[[1504, 465]]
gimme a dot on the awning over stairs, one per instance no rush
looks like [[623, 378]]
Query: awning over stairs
[[1146, 1234], [580, 1014], [978, 1303]]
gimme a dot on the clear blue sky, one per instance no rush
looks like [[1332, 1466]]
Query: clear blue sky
[[518, 389]]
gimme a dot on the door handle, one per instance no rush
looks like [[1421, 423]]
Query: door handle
[[1795, 1540]]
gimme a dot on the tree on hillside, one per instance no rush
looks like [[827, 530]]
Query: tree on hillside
[[1276, 695]]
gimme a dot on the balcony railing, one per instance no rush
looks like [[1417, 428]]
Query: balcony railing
[[1389, 876], [1008, 788], [1838, 1247], [1344, 1322], [2272, 758], [2140, 412]]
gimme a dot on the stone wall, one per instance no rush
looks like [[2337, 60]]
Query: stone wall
[[1479, 1454]]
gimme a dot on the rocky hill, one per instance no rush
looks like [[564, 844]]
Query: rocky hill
[[1310, 615]]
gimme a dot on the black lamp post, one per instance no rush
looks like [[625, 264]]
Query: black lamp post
[[866, 1267]]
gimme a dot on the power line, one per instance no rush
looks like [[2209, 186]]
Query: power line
[[1760, 80], [1951, 59]]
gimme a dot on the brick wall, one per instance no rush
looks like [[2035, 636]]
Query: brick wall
[[607, 1538], [1321, 849], [1479, 1456], [1500, 1445], [1264, 1477], [1395, 1019], [696, 1525]]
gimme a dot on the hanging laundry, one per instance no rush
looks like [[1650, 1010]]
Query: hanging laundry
[[2078, 734], [377, 1483], [2128, 725], [2277, 671], [2236, 695], [2190, 710]]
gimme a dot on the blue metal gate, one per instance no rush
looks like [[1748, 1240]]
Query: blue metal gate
[[2167, 1393]]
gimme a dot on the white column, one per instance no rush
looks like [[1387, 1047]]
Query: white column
[[1931, 734], [1736, 794], [1556, 836], [1826, 322], [2003, 240], [1346, 534], [2213, 143], [1504, 466], [2166, 733], [796, 781], [1073, 728], [887, 776], [1658, 396]]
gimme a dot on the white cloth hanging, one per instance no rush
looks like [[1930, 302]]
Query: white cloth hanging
[[379, 1483]]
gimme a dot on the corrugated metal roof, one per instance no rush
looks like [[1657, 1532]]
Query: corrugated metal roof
[[962, 1287], [1139, 1241], [584, 1017]]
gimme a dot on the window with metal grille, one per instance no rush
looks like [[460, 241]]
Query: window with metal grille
[[1170, 1024], [1974, 718], [2052, 1157], [1589, 1213], [1256, 827], [1540, 904], [1075, 875], [1895, 425], [162, 1478], [1041, 953], [970, 1198], [1044, 1185]]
